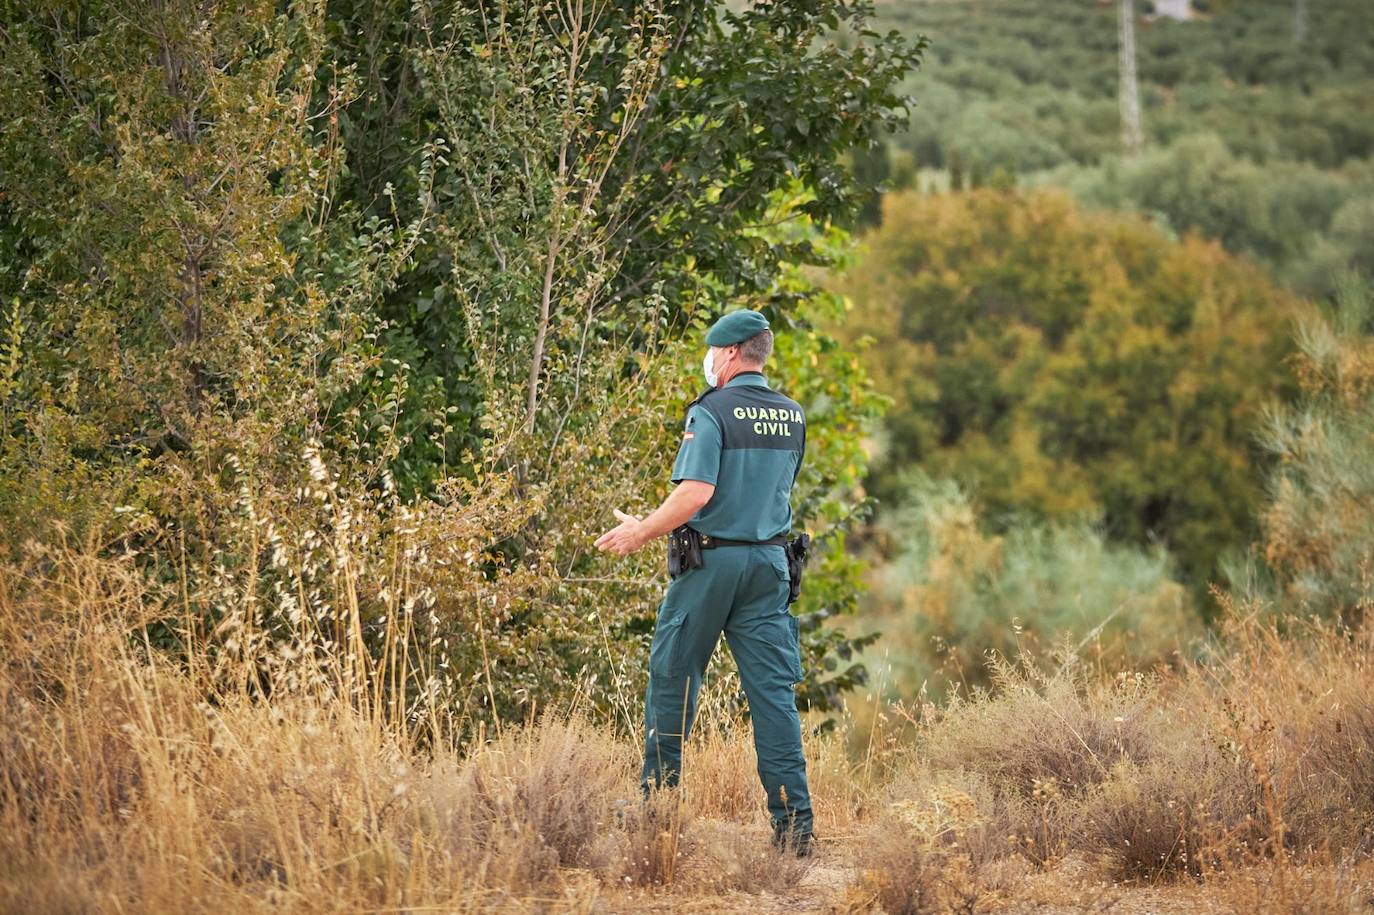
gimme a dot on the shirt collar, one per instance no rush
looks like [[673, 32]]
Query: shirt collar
[[749, 377]]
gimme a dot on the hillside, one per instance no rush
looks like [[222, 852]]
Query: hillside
[[1253, 138]]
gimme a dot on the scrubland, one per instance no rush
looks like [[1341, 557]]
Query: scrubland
[[298, 611], [133, 780]]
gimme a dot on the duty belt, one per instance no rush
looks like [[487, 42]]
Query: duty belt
[[710, 541]]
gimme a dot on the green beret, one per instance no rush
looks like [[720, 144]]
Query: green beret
[[736, 327]]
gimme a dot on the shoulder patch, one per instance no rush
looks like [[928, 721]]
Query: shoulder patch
[[690, 418]]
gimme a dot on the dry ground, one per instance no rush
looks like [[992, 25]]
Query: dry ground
[[834, 883]]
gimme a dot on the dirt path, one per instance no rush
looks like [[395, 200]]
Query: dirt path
[[833, 886]]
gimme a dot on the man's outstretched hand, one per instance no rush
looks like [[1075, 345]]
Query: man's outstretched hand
[[686, 499], [625, 537]]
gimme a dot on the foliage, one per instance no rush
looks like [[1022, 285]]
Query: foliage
[[1026, 90], [1307, 223], [373, 312], [611, 170], [1072, 364], [1039, 78], [629, 182], [1318, 529], [949, 593], [842, 408], [176, 296]]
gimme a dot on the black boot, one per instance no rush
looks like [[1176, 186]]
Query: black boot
[[799, 843]]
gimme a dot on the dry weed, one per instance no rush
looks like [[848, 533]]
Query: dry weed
[[936, 848], [130, 781], [652, 843], [726, 857]]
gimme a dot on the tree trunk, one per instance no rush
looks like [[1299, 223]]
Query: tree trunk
[[1299, 21], [1132, 138]]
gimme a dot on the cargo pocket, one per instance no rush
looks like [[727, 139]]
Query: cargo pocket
[[665, 654], [794, 628], [780, 567]]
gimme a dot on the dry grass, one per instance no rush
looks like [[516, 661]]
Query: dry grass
[[127, 783], [1246, 775], [943, 844]]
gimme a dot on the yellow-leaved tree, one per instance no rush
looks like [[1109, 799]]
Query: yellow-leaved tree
[[1070, 364]]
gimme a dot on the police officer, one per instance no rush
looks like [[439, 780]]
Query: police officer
[[742, 447]]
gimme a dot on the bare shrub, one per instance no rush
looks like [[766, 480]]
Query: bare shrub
[[124, 775], [1035, 729], [720, 767], [937, 847], [1291, 702], [555, 781], [1164, 817], [1317, 736], [726, 857], [1320, 886], [1335, 799], [844, 791], [1044, 741], [652, 843]]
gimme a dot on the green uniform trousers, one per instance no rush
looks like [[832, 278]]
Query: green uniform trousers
[[741, 591]]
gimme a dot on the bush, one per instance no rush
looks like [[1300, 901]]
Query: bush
[[1318, 532], [951, 592], [1066, 364]]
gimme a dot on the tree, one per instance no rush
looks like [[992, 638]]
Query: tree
[[179, 292], [303, 297], [1067, 364], [614, 177]]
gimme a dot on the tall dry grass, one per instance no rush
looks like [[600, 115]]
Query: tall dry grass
[[137, 780], [1246, 775], [133, 779]]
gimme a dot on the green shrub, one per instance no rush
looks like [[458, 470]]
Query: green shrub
[[950, 592]]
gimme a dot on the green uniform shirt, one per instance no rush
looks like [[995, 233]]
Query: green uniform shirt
[[748, 440]]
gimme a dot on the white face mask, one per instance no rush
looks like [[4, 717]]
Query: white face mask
[[706, 367]]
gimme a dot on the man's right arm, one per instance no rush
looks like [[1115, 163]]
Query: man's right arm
[[682, 503]]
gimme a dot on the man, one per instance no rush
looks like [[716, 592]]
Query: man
[[741, 450]]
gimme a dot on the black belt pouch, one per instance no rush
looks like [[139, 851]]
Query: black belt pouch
[[796, 549], [684, 550]]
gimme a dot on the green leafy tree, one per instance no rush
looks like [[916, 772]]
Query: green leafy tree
[[1040, 78], [608, 164], [1066, 364], [1306, 223], [1261, 142], [312, 306], [178, 292]]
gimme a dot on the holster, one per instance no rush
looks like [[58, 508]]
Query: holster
[[684, 550], [796, 549]]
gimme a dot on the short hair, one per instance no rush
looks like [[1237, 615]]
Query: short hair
[[757, 348]]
